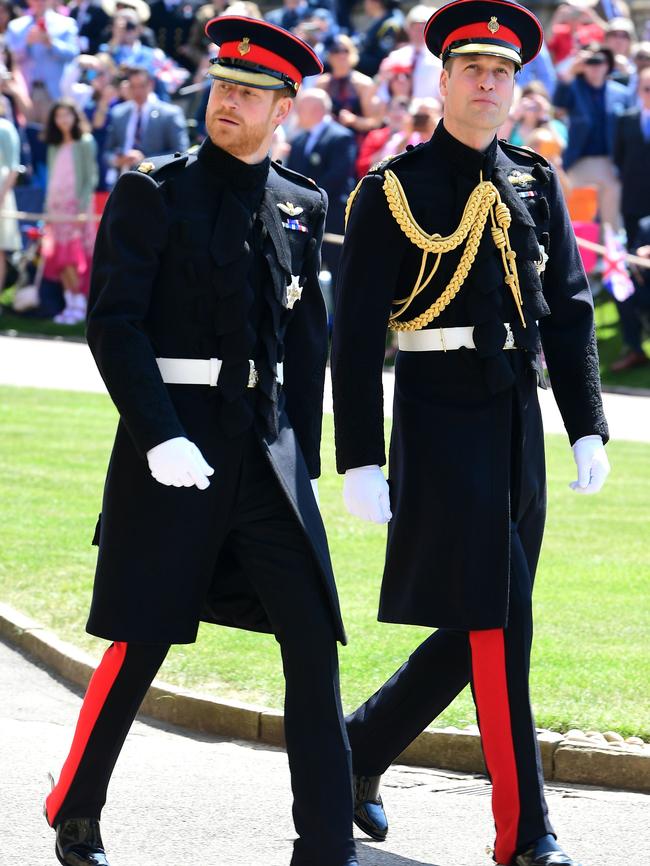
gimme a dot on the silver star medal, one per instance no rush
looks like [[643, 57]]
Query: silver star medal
[[294, 292]]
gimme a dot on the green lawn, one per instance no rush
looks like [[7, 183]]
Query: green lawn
[[590, 667], [607, 329], [610, 347]]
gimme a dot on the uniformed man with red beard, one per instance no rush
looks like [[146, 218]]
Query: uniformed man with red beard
[[208, 325]]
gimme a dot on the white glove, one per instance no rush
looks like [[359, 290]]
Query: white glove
[[593, 465], [179, 463], [366, 494], [314, 487]]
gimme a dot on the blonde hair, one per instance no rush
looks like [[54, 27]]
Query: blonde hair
[[353, 54]]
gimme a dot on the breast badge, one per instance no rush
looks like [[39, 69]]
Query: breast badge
[[290, 209], [520, 178], [294, 292]]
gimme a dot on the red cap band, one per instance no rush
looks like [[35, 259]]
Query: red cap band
[[259, 56], [480, 31]]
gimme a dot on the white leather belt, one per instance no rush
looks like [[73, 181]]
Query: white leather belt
[[445, 339], [202, 371]]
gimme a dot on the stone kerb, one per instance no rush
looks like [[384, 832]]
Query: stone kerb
[[587, 758]]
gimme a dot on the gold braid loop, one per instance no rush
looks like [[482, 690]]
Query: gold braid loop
[[483, 201], [499, 237], [457, 280], [502, 214], [435, 243]]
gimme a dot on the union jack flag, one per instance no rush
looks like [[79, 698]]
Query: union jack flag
[[616, 277]]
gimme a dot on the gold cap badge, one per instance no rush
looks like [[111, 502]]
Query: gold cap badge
[[146, 167], [244, 46], [493, 24]]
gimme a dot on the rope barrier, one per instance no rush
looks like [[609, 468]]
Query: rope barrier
[[49, 217], [582, 242], [328, 237]]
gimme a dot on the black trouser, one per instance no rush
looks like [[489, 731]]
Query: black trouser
[[267, 541], [497, 661]]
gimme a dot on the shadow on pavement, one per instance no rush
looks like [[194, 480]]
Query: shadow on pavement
[[371, 856]]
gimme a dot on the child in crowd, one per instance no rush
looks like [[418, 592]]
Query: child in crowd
[[71, 181]]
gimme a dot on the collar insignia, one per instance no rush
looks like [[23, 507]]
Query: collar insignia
[[294, 291], [519, 178], [146, 167], [290, 209], [244, 46], [493, 24]]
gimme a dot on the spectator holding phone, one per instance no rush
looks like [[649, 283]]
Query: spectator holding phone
[[42, 42], [592, 103]]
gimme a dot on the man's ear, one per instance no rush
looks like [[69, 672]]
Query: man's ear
[[282, 109], [444, 78]]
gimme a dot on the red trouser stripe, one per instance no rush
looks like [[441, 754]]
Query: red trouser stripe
[[99, 688], [493, 705]]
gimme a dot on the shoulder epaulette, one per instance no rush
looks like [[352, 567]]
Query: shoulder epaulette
[[162, 167], [295, 176], [390, 161], [522, 150]]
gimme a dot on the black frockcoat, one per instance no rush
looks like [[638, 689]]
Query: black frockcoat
[[181, 270], [466, 463]]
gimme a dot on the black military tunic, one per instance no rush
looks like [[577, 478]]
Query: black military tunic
[[466, 458], [196, 257]]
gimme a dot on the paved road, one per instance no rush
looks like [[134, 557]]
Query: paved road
[[179, 799], [70, 366]]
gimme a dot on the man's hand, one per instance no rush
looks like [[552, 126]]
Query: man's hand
[[179, 463], [593, 465], [366, 494]]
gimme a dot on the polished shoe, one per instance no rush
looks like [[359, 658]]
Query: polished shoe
[[544, 852], [629, 361], [79, 843], [369, 814]]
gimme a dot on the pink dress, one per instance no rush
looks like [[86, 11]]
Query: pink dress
[[64, 242]]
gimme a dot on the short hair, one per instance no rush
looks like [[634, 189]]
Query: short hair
[[346, 42], [130, 71], [448, 62], [284, 92], [319, 95]]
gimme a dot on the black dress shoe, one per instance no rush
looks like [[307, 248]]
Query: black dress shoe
[[369, 814], [545, 852], [79, 843]]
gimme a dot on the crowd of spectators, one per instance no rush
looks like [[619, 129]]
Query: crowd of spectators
[[89, 88]]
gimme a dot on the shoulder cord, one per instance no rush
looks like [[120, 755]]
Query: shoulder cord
[[484, 200]]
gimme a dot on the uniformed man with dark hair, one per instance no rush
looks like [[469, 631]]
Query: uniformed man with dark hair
[[209, 328], [463, 247]]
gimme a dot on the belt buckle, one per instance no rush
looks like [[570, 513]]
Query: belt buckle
[[510, 337], [253, 375]]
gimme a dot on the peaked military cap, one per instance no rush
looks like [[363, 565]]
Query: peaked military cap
[[501, 28], [258, 54]]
